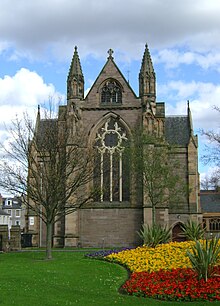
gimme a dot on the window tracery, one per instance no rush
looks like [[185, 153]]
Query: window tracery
[[112, 173], [111, 93]]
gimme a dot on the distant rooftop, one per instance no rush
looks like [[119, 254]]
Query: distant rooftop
[[210, 201]]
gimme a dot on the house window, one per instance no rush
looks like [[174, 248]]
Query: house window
[[9, 202], [111, 173], [111, 93], [31, 220], [9, 212], [17, 213]]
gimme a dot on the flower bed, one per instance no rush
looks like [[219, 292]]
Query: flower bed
[[175, 285], [165, 273], [167, 256]]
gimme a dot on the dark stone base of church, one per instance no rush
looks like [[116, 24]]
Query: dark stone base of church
[[110, 227]]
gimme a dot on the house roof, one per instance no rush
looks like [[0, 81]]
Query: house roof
[[210, 201], [13, 206], [177, 130]]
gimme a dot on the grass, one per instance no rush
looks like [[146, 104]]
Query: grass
[[68, 279]]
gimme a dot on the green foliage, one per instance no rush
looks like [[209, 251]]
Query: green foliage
[[204, 256], [156, 167], [193, 230], [154, 235]]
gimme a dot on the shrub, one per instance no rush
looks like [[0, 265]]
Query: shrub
[[154, 235], [193, 230], [204, 256]]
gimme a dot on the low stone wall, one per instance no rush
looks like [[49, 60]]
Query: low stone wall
[[15, 238], [10, 241], [4, 238]]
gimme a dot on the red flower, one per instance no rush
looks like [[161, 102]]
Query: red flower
[[177, 284]]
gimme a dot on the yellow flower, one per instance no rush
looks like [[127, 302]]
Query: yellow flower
[[164, 256]]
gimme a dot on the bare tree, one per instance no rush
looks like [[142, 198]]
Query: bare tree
[[211, 182], [155, 165], [205, 183], [48, 168], [212, 153]]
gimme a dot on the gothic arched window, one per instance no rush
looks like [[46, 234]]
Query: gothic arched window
[[111, 93], [111, 173], [214, 224]]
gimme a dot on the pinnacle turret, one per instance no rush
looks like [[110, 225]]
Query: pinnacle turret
[[75, 81], [147, 82], [189, 118], [147, 66]]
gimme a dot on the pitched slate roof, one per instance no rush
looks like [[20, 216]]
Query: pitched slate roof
[[210, 201], [15, 203], [46, 128], [177, 130]]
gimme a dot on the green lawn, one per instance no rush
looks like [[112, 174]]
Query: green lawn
[[68, 279]]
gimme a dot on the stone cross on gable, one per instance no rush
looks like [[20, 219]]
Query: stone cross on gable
[[110, 52]]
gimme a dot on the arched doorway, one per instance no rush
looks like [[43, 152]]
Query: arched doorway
[[177, 233]]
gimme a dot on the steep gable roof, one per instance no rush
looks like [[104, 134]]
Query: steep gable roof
[[47, 128], [177, 130]]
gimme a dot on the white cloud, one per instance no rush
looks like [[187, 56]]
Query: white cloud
[[24, 88], [202, 96], [98, 25], [22, 93], [178, 33], [3, 46], [172, 58]]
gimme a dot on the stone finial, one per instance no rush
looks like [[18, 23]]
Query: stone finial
[[110, 52]]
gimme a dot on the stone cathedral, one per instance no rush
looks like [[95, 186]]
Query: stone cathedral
[[112, 108]]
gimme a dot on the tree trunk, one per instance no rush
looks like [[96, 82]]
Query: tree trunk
[[153, 215], [49, 240]]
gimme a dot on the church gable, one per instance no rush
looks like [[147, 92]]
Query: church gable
[[111, 89]]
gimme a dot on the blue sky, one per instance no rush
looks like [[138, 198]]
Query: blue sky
[[37, 40]]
